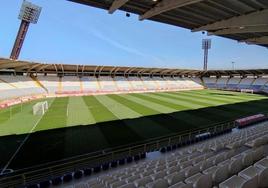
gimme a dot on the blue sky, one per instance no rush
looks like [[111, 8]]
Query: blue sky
[[76, 34]]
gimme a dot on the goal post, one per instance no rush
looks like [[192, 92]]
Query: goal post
[[40, 108], [247, 91]]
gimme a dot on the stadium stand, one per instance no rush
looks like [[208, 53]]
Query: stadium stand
[[236, 83], [246, 83], [107, 84], [52, 85], [70, 83], [122, 83], [221, 82], [18, 86], [233, 83], [50, 82], [210, 82], [137, 83], [236, 159], [90, 84]]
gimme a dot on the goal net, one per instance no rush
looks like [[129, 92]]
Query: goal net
[[246, 91], [40, 108]]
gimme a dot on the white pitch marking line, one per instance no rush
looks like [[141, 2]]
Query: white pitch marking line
[[23, 142]]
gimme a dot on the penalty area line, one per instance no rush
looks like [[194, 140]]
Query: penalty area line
[[23, 142]]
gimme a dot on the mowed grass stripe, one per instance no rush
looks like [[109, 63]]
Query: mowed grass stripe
[[116, 132], [173, 106], [151, 105], [119, 110], [138, 107], [233, 95], [222, 98], [56, 115], [181, 119], [99, 112], [207, 96], [123, 112], [144, 126], [200, 98], [249, 102], [78, 112], [148, 103], [224, 109], [203, 112], [183, 103], [211, 112], [238, 108]]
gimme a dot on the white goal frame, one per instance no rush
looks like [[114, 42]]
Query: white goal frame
[[40, 108], [247, 91]]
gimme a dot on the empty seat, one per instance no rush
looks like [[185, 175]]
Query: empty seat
[[132, 178], [191, 170], [160, 183], [175, 178], [97, 186], [142, 181], [185, 164], [233, 145], [160, 168], [204, 181], [173, 169], [218, 173], [146, 173], [238, 182], [256, 142], [219, 158], [158, 175], [260, 175], [217, 146], [262, 163], [258, 153], [235, 166], [130, 185], [206, 164], [117, 184], [181, 185]]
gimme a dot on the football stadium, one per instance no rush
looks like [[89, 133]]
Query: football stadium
[[108, 126]]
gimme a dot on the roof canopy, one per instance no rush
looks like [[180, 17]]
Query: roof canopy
[[242, 20], [33, 67]]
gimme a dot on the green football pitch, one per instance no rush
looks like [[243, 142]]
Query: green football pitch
[[78, 125], [89, 110]]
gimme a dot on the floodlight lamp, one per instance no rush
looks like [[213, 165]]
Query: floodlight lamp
[[29, 12]]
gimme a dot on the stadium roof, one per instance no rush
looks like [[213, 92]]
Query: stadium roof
[[241, 20], [33, 67]]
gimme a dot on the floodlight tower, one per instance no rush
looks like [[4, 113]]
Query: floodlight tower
[[29, 13], [206, 45]]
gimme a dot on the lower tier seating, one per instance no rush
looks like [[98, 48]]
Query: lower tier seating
[[237, 159]]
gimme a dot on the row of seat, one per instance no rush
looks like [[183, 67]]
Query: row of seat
[[216, 162], [18, 86]]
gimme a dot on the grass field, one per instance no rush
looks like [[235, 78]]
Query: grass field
[[111, 120], [72, 111]]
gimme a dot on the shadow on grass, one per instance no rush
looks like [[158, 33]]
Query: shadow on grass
[[56, 144]]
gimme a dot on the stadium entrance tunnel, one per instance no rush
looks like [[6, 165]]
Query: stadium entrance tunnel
[[57, 144]]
